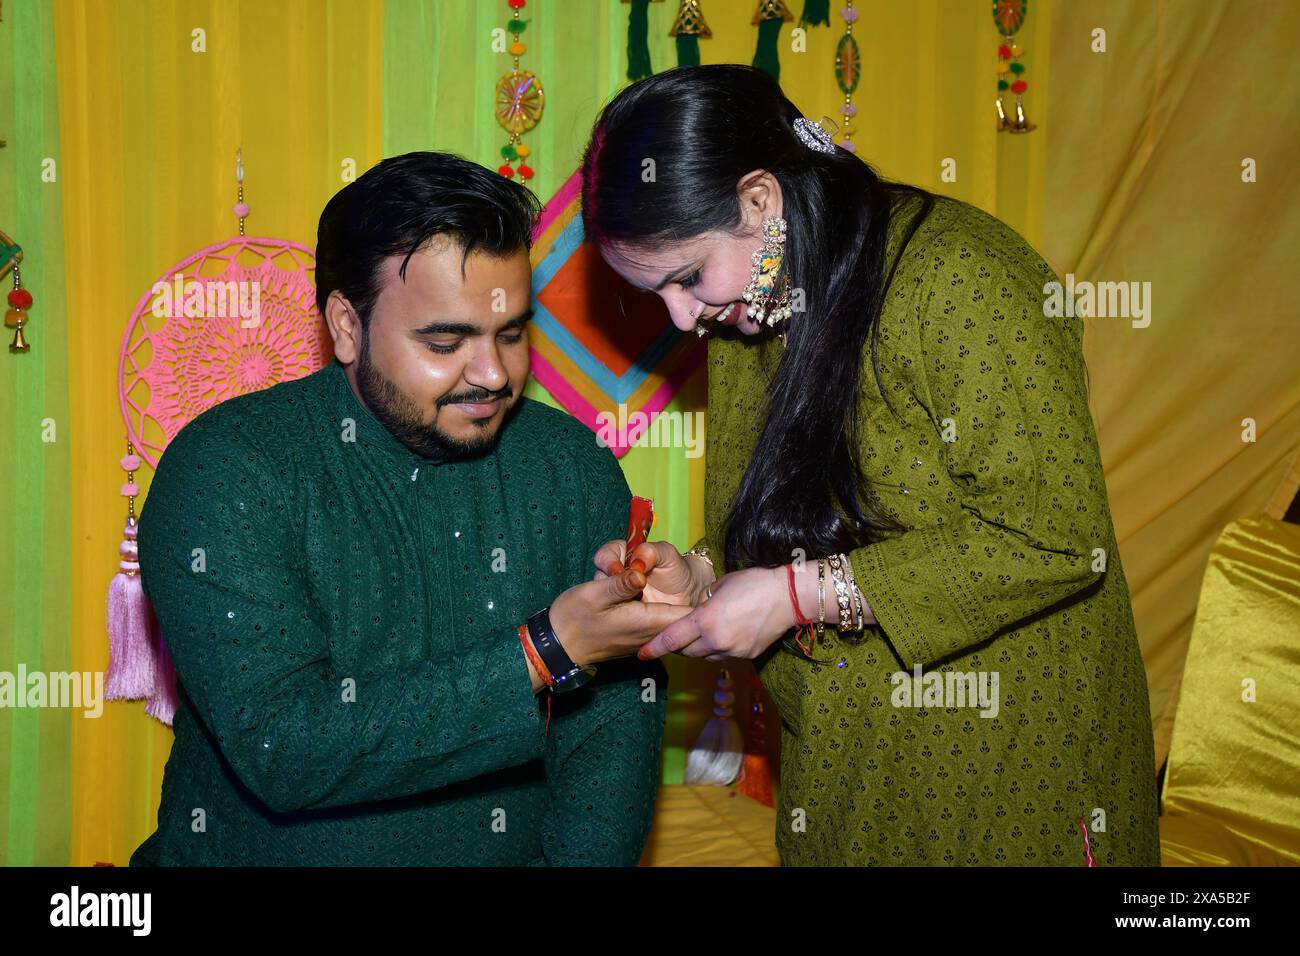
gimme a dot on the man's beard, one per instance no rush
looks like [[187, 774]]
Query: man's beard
[[403, 419]]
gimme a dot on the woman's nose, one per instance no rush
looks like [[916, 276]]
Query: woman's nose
[[683, 310]]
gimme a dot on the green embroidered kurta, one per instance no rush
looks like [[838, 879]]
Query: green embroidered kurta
[[342, 614], [999, 573]]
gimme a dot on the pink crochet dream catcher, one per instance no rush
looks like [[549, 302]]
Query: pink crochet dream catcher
[[236, 317]]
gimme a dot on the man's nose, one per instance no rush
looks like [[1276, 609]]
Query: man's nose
[[486, 370]]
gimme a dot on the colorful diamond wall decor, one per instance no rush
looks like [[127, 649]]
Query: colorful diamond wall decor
[[595, 342]]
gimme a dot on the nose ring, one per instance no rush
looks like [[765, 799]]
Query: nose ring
[[700, 328]]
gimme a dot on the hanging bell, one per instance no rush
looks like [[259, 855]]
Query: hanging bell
[[19, 344], [1021, 125], [1003, 122]]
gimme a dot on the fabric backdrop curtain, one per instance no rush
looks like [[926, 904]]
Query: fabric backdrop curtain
[[1144, 184], [1133, 175]]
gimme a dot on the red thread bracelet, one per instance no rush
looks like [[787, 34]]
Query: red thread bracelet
[[533, 657], [538, 665], [1087, 848], [794, 598], [799, 618]]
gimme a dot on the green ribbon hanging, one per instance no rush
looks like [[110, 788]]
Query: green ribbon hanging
[[765, 53], [688, 50], [638, 45], [815, 12]]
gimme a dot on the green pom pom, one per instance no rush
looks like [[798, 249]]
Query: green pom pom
[[517, 26], [1017, 68], [1003, 85], [509, 152]]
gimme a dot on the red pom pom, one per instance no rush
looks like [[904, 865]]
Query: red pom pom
[[1004, 52], [20, 299], [518, 4], [525, 171], [1019, 86], [506, 171]]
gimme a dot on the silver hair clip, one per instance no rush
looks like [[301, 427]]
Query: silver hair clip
[[815, 135]]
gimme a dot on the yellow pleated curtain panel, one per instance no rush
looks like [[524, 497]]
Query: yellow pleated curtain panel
[[1161, 157]]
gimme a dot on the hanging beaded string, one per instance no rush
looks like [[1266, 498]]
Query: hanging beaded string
[[241, 207], [520, 100], [1009, 16], [129, 560], [20, 300], [848, 72]]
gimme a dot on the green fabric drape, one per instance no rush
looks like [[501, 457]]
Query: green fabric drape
[[35, 474]]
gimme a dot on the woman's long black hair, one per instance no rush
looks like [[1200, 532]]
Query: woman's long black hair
[[705, 127]]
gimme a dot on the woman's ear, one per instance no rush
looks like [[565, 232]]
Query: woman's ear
[[760, 197]]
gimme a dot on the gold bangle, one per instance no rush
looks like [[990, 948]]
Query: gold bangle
[[821, 597], [856, 595], [821, 590], [841, 592], [702, 551]]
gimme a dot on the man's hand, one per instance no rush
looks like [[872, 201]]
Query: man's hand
[[607, 618]]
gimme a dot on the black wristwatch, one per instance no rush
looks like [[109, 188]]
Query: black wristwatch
[[565, 675]]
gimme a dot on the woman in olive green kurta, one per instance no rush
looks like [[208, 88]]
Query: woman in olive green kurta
[[1003, 522], [993, 569]]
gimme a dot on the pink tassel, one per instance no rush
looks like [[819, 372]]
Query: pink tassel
[[162, 704], [132, 671]]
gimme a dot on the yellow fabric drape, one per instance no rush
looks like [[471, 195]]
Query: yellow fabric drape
[[149, 129], [1229, 796], [1144, 184]]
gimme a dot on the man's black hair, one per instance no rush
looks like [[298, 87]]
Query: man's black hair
[[398, 206]]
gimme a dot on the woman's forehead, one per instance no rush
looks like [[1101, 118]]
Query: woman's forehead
[[658, 258]]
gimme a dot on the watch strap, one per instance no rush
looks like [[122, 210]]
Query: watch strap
[[565, 674]]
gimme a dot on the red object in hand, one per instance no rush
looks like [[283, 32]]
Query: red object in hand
[[640, 519]]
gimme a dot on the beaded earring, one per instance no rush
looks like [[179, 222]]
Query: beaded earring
[[764, 303]]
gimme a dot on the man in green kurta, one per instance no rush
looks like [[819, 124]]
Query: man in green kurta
[[340, 566], [1009, 567]]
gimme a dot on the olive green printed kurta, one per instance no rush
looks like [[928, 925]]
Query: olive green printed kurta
[[1009, 571]]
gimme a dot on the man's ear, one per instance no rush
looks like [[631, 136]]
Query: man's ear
[[345, 327]]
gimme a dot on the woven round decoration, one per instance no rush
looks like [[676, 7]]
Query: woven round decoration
[[236, 317]]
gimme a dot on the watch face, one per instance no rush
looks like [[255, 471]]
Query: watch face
[[575, 678]]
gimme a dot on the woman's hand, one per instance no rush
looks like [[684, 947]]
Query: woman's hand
[[748, 613], [670, 577]]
